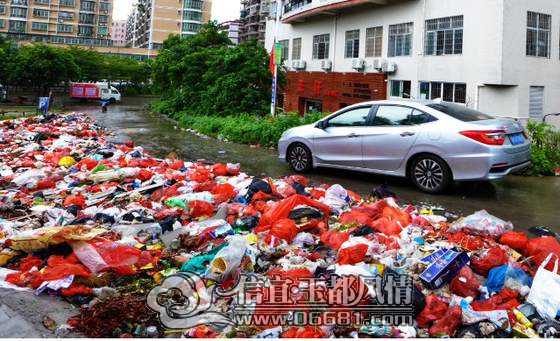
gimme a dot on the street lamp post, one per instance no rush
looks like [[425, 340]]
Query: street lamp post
[[274, 49]]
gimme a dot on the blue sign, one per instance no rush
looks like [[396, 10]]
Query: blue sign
[[44, 104]]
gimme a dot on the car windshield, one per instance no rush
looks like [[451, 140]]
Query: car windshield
[[460, 112]]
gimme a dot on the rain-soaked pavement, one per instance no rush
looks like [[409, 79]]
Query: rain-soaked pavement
[[525, 201]]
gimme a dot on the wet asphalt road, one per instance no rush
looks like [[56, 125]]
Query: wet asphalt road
[[525, 201]]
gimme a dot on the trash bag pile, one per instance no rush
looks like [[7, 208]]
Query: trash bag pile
[[100, 225]]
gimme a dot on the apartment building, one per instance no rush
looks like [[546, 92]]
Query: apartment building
[[232, 30], [498, 56], [72, 22], [254, 16], [152, 21], [118, 33]]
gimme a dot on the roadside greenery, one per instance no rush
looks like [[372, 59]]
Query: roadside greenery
[[41, 67], [545, 148], [246, 128], [207, 75]]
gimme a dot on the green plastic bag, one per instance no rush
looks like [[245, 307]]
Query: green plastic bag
[[176, 202], [200, 264]]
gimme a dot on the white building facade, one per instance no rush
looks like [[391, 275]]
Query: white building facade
[[497, 56]]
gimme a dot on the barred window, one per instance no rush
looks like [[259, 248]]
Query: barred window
[[65, 15], [39, 26], [321, 46], [87, 6], [1, 23], [18, 12], [40, 13], [538, 34], [86, 31], [374, 41], [67, 3], [400, 40], [104, 6], [449, 92], [285, 49], [352, 46], [296, 49], [444, 36], [192, 15], [2, 9], [63, 28]]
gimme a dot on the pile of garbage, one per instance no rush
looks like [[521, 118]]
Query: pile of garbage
[[101, 225]]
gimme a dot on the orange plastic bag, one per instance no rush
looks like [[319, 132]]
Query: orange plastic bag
[[540, 248], [504, 300], [352, 255], [285, 229], [78, 200], [515, 240], [355, 218], [219, 169], [386, 226], [223, 192], [283, 208], [200, 208]]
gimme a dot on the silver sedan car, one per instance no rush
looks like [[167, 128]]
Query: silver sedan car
[[431, 143]]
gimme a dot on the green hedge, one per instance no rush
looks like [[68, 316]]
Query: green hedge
[[545, 148], [246, 129]]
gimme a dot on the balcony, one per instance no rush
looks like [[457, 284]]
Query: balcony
[[302, 10]]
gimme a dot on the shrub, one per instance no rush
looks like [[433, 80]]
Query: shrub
[[545, 148], [245, 128]]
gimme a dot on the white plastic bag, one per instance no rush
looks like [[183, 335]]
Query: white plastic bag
[[336, 197], [544, 291], [482, 223]]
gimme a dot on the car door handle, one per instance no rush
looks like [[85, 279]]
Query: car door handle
[[353, 135], [407, 134]]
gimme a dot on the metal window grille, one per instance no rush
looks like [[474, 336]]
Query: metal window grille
[[352, 46], [374, 41], [538, 34], [444, 36], [296, 49], [400, 40], [321, 45]]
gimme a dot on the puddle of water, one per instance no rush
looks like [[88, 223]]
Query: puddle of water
[[525, 201]]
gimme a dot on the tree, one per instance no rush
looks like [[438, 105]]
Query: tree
[[90, 63], [7, 51], [205, 74], [41, 67]]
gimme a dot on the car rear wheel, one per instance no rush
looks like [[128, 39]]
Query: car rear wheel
[[430, 174], [300, 158]]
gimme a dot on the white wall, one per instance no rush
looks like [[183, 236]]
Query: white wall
[[493, 48]]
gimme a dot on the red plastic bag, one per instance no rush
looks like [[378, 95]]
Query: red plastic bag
[[110, 256], [283, 208], [447, 325], [504, 300], [144, 175], [200, 174], [540, 248], [177, 164], [223, 193], [353, 254], [219, 169], [355, 218], [78, 200], [386, 226], [465, 284], [515, 240], [395, 214], [200, 208], [285, 229], [307, 332], [434, 310], [334, 239], [492, 258], [88, 164]]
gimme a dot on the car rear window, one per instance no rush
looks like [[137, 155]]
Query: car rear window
[[460, 112]]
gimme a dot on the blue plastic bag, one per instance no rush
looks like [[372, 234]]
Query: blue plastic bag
[[498, 276]]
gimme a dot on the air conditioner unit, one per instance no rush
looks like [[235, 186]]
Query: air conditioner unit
[[389, 67], [299, 64], [378, 64], [326, 64], [358, 64]]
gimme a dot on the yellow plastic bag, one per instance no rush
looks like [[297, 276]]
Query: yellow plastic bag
[[66, 161]]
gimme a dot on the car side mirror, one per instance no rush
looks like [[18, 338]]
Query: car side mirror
[[322, 125]]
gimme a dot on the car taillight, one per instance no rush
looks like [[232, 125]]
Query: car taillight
[[489, 137]]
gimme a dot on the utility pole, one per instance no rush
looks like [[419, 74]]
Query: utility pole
[[276, 58]]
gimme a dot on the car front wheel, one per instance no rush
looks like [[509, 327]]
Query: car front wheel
[[430, 174], [300, 158]]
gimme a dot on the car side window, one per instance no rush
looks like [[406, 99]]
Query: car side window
[[392, 115], [352, 118], [420, 117]]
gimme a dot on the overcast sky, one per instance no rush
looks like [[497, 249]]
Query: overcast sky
[[222, 10]]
